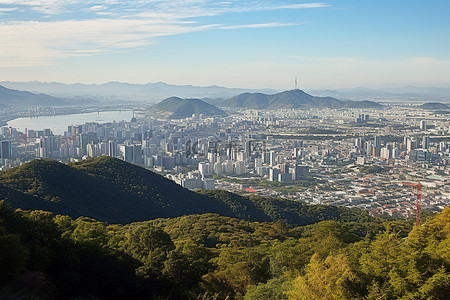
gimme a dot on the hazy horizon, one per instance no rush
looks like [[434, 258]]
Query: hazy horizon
[[374, 87]]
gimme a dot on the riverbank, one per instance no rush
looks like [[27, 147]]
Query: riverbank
[[11, 115], [59, 123]]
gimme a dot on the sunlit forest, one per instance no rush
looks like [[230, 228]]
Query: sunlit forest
[[208, 256]]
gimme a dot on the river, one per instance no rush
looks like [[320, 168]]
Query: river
[[58, 124]]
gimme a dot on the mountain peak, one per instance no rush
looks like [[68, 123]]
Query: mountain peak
[[291, 100], [434, 106], [183, 108]]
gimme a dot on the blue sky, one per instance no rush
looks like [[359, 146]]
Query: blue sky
[[250, 44]]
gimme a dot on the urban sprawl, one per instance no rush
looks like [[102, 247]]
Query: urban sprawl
[[347, 157]]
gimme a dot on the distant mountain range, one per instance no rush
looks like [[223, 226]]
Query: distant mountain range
[[114, 92], [291, 100], [14, 98], [400, 94], [434, 106], [149, 92], [183, 108]]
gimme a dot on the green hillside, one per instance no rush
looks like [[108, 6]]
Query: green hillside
[[104, 188], [111, 190], [291, 100], [183, 108], [293, 213]]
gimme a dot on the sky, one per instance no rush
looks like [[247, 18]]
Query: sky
[[245, 44]]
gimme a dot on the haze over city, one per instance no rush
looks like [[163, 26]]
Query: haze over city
[[246, 44]]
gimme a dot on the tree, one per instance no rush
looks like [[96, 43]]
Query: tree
[[382, 256], [274, 289], [323, 279], [150, 245], [13, 257], [236, 269], [187, 264]]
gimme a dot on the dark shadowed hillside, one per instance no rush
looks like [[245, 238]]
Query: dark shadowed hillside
[[105, 188], [115, 191]]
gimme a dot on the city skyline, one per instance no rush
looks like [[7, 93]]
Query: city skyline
[[248, 44]]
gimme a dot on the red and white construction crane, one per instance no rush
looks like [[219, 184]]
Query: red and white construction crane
[[418, 186]]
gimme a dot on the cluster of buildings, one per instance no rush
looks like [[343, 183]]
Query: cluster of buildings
[[413, 149], [315, 155]]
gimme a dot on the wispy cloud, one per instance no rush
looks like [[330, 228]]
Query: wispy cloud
[[42, 42], [8, 9], [39, 32], [261, 25]]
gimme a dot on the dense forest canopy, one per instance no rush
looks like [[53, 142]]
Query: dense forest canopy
[[208, 256]]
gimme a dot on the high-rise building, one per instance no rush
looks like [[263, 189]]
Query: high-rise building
[[359, 142], [6, 152], [218, 168], [423, 125], [285, 168], [385, 153], [377, 145], [91, 150], [273, 174], [247, 149], [283, 177], [369, 148], [127, 152], [425, 142], [300, 172], [229, 167], [272, 158], [209, 184], [411, 145], [240, 168], [205, 169], [47, 132], [395, 152], [112, 149], [258, 162], [266, 157]]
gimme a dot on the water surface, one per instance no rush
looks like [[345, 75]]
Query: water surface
[[58, 124]]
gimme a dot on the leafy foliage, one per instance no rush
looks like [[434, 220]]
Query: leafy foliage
[[209, 256]]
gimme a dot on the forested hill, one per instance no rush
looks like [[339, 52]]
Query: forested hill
[[47, 256], [293, 99], [184, 108], [111, 190], [104, 188]]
